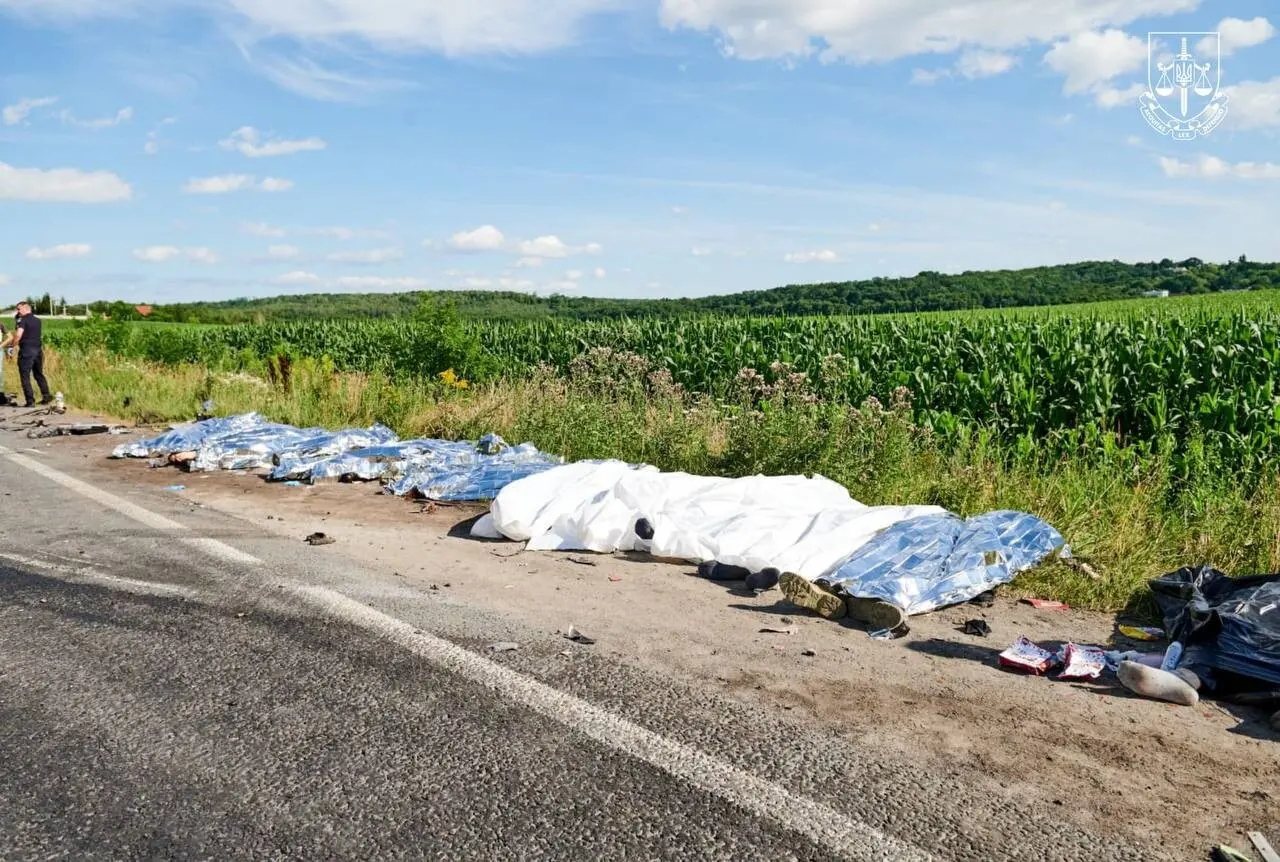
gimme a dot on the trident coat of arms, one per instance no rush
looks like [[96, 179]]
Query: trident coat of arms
[[1184, 98]]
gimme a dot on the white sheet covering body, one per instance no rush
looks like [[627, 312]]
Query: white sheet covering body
[[791, 523]]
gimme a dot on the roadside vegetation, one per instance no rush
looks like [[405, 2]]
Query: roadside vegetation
[[1133, 511]]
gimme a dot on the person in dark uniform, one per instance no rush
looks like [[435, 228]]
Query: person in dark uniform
[[30, 350]]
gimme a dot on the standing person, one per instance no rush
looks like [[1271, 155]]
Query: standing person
[[30, 351], [5, 337]]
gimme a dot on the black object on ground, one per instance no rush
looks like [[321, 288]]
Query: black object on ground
[[578, 637], [1229, 624], [713, 571], [984, 600], [977, 628], [319, 539], [644, 529], [765, 579]]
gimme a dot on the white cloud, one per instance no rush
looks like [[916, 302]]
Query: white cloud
[[599, 272], [218, 185], [157, 253], [296, 277], [884, 30], [1212, 167], [925, 76], [476, 282], [699, 251], [484, 238], [201, 255], [529, 262], [247, 141], [1254, 104], [516, 284], [544, 246], [452, 29], [984, 64], [123, 115], [261, 229], [226, 183], [62, 185], [1112, 97], [1092, 59], [554, 247], [20, 110], [680, 210], [374, 282], [152, 145], [563, 285], [823, 256], [283, 252], [165, 253], [70, 249], [573, 274], [376, 255], [1235, 34]]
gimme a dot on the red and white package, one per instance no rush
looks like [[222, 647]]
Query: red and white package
[[1025, 655], [1082, 662]]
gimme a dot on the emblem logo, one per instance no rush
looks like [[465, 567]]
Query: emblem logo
[[1184, 99]]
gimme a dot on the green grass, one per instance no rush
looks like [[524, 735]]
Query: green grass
[[1129, 513]]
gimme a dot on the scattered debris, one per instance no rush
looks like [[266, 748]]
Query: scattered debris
[[504, 646], [1082, 662], [1046, 605], [808, 653], [1227, 853], [977, 628], [293, 483], [582, 561], [42, 431], [1142, 633], [1027, 656], [1156, 684], [578, 637], [1082, 567], [615, 578], [176, 488], [1263, 846], [319, 539], [984, 600], [782, 630]]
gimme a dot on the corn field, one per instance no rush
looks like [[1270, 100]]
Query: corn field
[[1203, 372]]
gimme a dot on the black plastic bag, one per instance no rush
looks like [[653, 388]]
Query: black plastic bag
[[1231, 624]]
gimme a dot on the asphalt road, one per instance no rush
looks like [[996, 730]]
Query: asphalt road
[[176, 684]]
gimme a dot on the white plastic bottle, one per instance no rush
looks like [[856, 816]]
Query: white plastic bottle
[[59, 402]]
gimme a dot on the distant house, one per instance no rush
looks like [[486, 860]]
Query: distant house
[[1156, 294], [143, 310]]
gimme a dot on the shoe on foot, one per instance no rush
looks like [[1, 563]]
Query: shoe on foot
[[804, 593], [877, 614], [1156, 684], [765, 579], [45, 401]]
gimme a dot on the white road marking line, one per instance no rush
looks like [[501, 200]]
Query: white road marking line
[[221, 549], [111, 501], [87, 574], [131, 510], [819, 823]]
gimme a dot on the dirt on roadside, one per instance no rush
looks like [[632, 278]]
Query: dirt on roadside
[[1179, 777]]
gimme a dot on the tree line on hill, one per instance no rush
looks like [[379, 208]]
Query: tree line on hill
[[1088, 281]]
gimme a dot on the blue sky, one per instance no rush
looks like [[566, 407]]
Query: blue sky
[[170, 150]]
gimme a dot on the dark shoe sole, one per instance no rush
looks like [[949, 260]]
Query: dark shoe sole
[[803, 593]]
